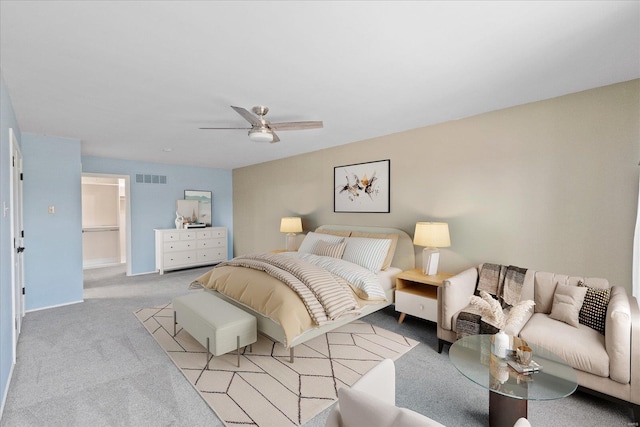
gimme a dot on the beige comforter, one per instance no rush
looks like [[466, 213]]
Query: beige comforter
[[266, 295]]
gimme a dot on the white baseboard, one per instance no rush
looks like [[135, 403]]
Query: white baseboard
[[6, 390], [100, 262], [142, 274], [54, 306]]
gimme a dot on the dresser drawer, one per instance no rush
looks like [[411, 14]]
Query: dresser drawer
[[180, 245], [417, 305], [212, 255], [217, 232], [179, 258], [171, 236], [188, 235], [174, 236], [204, 234], [211, 243]]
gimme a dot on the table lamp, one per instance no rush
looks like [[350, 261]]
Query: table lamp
[[431, 235], [291, 226]]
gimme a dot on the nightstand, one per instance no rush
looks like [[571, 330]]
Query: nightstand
[[417, 294]]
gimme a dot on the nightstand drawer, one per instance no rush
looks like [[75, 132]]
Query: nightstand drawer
[[417, 305]]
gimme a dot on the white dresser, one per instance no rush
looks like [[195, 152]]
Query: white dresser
[[177, 249]]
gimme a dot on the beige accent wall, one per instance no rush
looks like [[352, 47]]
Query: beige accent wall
[[551, 186]]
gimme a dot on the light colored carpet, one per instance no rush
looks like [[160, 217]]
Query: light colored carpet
[[268, 390], [92, 364]]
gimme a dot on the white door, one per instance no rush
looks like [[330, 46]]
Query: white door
[[17, 236]]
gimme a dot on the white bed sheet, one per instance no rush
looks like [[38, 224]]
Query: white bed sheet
[[387, 277]]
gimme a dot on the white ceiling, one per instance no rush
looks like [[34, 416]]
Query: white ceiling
[[130, 79]]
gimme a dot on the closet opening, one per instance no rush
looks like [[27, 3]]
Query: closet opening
[[106, 214]]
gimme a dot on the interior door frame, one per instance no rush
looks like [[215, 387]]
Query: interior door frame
[[127, 192], [17, 238]]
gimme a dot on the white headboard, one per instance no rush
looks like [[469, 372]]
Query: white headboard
[[404, 257]]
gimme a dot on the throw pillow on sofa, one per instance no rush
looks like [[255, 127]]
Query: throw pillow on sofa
[[567, 301], [594, 308]]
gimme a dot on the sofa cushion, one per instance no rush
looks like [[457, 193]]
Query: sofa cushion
[[582, 347], [567, 301], [545, 285], [359, 408], [594, 308]]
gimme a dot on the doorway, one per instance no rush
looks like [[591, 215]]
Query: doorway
[[17, 237], [106, 214]]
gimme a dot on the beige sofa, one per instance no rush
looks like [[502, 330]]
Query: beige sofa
[[607, 364]]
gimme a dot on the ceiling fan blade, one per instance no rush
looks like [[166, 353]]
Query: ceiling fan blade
[[275, 137], [296, 125], [226, 128], [248, 116]]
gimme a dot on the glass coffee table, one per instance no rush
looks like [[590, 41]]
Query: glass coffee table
[[509, 391]]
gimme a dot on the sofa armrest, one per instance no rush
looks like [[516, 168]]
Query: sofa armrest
[[454, 295], [635, 350], [379, 382], [617, 335]]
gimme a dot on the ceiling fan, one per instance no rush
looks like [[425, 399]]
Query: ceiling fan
[[262, 130]]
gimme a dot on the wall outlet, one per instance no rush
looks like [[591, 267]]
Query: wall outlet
[[52, 209]]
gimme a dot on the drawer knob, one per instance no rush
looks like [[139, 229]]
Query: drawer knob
[[421, 307]]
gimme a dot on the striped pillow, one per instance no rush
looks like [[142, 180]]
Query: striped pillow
[[334, 250], [368, 253], [392, 248], [310, 241]]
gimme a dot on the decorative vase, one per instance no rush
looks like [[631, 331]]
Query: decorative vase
[[179, 220], [500, 344]]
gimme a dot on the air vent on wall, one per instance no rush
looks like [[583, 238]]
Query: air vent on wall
[[150, 179]]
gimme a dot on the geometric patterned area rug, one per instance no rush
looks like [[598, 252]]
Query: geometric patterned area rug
[[267, 390]]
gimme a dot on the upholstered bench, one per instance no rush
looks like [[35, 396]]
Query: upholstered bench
[[219, 326]]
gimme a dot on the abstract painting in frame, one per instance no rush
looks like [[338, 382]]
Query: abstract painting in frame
[[204, 204], [362, 187]]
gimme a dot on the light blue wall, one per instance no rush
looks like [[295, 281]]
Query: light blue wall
[[53, 242], [154, 205], [7, 121]]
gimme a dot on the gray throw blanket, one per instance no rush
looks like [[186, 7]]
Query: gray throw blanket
[[326, 296], [502, 282], [491, 279], [512, 288]]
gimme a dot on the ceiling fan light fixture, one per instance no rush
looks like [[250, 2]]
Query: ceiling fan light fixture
[[260, 135]]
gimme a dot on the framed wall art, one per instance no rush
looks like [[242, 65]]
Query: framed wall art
[[362, 187], [204, 204]]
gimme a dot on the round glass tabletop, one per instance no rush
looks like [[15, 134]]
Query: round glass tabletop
[[472, 356]]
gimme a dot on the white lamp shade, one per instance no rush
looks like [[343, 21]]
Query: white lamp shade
[[432, 235], [260, 135], [291, 225]]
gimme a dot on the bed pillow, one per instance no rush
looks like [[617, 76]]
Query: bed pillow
[[567, 301], [310, 241], [333, 250], [392, 248], [366, 252]]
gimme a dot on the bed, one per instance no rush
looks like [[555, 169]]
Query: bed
[[277, 311]]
